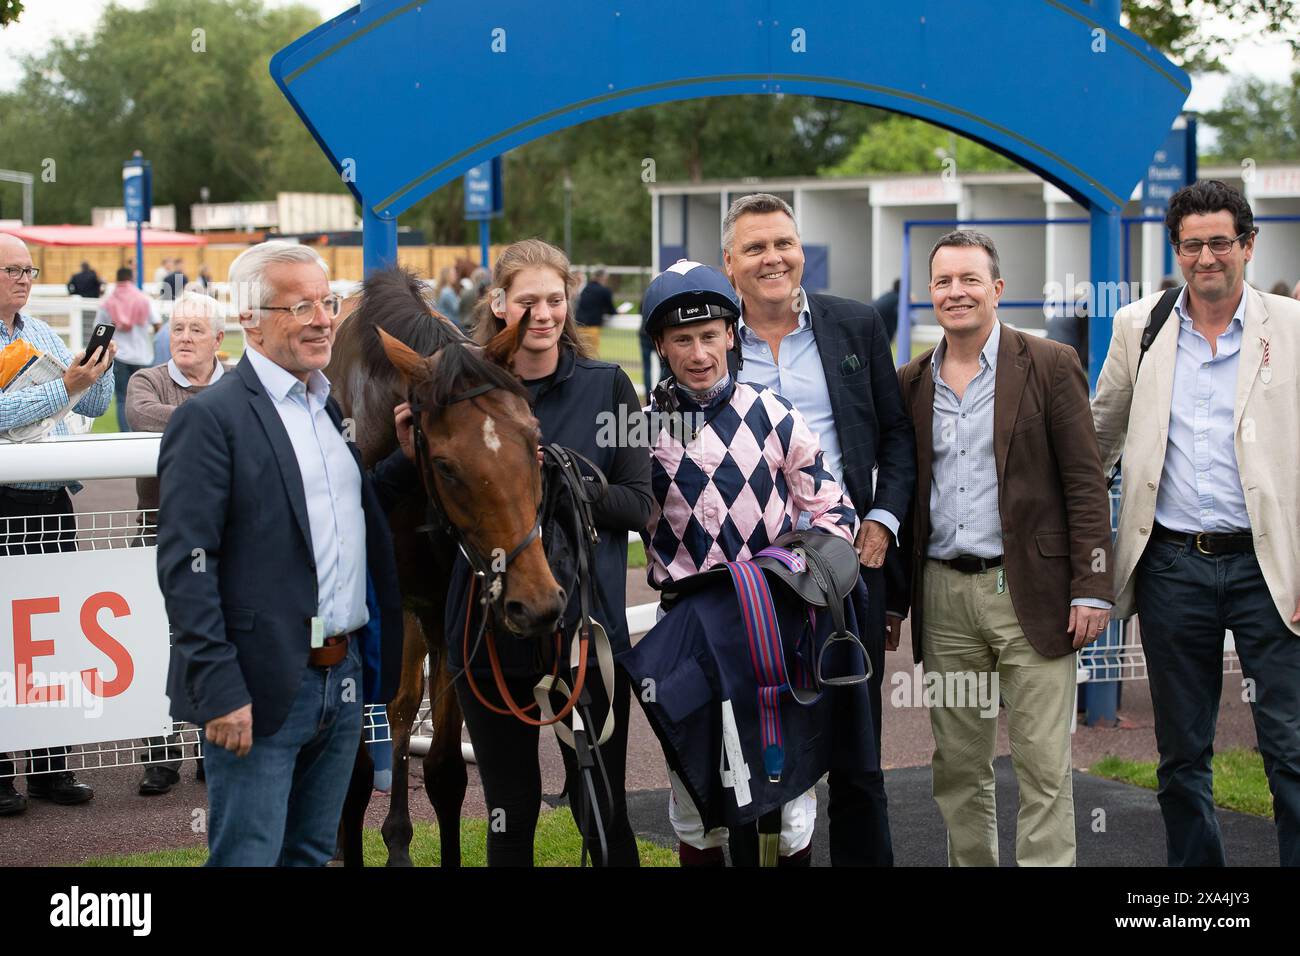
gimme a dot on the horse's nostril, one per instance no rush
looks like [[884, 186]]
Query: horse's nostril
[[562, 599], [516, 610]]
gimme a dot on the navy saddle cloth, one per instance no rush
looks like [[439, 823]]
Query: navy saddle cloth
[[745, 732]]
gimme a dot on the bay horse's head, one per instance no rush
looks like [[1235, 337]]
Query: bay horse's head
[[476, 449]]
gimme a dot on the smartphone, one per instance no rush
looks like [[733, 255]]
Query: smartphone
[[99, 339]]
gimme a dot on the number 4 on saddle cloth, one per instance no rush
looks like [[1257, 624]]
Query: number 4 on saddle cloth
[[755, 682]]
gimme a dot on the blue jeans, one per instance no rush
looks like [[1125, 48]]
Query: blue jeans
[[280, 805], [121, 375], [1185, 601]]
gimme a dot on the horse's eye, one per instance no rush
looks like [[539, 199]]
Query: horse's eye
[[445, 470]]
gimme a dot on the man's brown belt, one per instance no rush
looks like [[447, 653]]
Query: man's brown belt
[[335, 649]]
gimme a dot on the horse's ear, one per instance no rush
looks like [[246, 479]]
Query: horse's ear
[[405, 359], [501, 350]]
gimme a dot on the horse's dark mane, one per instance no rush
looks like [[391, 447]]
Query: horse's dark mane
[[393, 299], [459, 367]]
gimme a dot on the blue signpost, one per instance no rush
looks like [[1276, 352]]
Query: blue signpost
[[137, 197], [1171, 168], [484, 202]]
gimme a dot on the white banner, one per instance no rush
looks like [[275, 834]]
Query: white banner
[[83, 648]]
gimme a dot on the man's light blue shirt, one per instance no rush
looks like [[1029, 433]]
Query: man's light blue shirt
[[965, 515], [331, 483], [41, 401], [1200, 488], [798, 376]]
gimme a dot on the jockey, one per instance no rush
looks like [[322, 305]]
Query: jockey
[[734, 466]]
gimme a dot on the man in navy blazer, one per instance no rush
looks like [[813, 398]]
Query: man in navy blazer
[[830, 358], [268, 530]]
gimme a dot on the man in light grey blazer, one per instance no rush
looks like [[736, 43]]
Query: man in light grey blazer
[[1208, 536]]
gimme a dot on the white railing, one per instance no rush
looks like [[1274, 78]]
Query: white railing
[[80, 457]]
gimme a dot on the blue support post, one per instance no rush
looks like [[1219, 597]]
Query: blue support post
[[139, 255], [378, 235], [1106, 275], [1101, 697], [485, 243], [378, 241]]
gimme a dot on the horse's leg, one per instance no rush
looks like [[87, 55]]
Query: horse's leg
[[445, 775], [354, 807], [402, 710]]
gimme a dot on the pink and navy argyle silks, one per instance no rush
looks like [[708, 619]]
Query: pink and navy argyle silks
[[737, 486]]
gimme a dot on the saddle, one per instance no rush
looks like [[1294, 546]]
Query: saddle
[[821, 569]]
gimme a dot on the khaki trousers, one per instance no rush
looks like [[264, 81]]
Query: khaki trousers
[[970, 627], [590, 335]]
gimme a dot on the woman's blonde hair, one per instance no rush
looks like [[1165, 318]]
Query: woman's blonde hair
[[527, 254]]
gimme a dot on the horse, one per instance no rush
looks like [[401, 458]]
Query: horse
[[477, 442]]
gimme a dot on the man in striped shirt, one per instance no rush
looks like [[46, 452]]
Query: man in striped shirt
[[36, 517]]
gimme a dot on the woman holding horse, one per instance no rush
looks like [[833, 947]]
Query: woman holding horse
[[572, 395]]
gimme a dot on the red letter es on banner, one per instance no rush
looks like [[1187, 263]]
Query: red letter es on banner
[[28, 691], [107, 643]]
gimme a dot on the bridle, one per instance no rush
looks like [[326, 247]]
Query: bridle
[[488, 584], [490, 574], [490, 580]]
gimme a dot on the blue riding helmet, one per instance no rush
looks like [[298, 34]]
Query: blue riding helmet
[[688, 292]]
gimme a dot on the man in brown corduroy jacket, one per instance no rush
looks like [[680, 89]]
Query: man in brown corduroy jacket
[[1008, 548]]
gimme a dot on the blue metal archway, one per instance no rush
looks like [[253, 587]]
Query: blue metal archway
[[406, 95]]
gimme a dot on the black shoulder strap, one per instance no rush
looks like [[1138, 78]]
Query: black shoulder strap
[[1156, 321]]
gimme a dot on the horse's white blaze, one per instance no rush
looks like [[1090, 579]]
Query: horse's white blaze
[[490, 435]]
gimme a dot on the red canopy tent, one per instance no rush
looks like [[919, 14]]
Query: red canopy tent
[[96, 236]]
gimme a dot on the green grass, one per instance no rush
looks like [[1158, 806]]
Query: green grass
[[635, 554], [557, 844], [106, 424], [1239, 780]]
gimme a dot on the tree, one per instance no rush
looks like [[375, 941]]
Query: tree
[[10, 10], [903, 144], [611, 160], [1258, 120], [1182, 31], [186, 82]]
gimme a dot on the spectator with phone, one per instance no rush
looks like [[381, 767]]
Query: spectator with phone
[[130, 311], [26, 525]]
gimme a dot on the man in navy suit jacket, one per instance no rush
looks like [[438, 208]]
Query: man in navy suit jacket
[[268, 530], [830, 358]]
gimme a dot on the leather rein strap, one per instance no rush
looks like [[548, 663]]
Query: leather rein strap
[[491, 576]]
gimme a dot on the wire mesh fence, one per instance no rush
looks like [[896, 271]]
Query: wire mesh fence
[[106, 530]]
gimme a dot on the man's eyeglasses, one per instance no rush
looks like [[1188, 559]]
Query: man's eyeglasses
[[17, 272], [305, 310], [1219, 245]]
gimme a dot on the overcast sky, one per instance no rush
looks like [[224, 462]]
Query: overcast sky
[[43, 20]]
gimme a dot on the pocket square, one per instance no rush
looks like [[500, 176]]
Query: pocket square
[[850, 365]]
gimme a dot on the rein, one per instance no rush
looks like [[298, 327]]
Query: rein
[[490, 577], [489, 583]]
